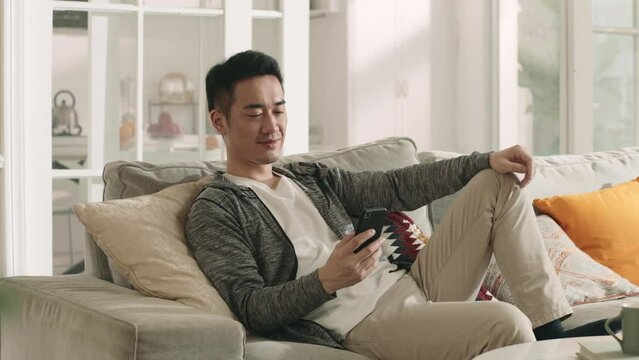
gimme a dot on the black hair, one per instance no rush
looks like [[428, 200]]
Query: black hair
[[221, 78]]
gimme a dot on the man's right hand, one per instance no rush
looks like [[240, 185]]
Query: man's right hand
[[345, 268]]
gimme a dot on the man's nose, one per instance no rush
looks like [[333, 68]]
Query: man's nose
[[270, 124]]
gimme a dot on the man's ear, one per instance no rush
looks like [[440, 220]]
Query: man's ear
[[218, 120]]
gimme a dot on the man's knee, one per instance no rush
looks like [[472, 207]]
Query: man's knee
[[491, 178], [510, 325]]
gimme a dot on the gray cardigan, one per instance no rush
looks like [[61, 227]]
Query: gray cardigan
[[250, 260]]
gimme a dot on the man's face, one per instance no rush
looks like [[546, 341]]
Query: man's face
[[256, 125]]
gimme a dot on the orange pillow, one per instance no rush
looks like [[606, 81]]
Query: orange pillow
[[604, 224]]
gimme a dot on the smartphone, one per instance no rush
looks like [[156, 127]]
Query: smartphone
[[373, 218]]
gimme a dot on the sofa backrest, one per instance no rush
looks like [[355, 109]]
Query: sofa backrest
[[125, 179], [571, 174], [558, 174]]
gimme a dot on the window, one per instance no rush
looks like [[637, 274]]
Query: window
[[615, 73], [539, 74], [578, 74]]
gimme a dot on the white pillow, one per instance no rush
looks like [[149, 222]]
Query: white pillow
[[584, 280], [145, 237]]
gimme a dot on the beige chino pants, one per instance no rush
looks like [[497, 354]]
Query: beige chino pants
[[430, 312]]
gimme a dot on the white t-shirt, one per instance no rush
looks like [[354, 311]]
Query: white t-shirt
[[314, 241]]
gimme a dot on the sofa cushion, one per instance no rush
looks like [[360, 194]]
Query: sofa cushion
[[125, 179], [145, 237], [602, 223], [585, 313], [80, 317], [583, 279]]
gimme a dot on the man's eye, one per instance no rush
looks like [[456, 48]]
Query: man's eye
[[254, 115]]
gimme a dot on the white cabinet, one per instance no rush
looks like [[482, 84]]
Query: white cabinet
[[370, 73]]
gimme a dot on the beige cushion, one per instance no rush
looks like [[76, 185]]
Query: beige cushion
[[145, 237]]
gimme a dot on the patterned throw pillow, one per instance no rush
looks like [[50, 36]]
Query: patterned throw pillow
[[403, 242], [583, 279]]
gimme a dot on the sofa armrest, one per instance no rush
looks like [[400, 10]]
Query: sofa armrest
[[82, 317]]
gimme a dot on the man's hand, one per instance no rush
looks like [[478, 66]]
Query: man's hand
[[345, 268], [513, 159]]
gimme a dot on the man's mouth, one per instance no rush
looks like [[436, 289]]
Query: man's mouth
[[269, 142]]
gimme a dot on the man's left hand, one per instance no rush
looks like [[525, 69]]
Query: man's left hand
[[514, 159]]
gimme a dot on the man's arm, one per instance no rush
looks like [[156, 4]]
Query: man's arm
[[406, 188], [226, 257]]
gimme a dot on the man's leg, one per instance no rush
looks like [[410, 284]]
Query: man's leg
[[404, 325], [491, 215]]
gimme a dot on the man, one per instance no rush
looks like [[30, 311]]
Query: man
[[278, 243]]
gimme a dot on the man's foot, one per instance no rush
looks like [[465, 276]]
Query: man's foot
[[554, 329]]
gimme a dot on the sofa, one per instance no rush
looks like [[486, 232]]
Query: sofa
[[97, 314]]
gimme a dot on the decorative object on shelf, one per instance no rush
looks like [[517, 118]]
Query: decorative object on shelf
[[165, 128], [127, 134], [185, 115], [127, 121], [176, 89], [65, 118]]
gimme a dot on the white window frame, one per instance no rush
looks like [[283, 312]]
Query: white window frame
[[504, 85], [26, 246], [27, 205], [576, 80]]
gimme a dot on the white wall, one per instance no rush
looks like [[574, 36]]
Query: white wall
[[455, 42], [328, 103], [461, 75]]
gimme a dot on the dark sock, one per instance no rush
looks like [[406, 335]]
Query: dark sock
[[554, 330], [551, 330]]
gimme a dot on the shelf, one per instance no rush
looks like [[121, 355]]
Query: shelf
[[266, 14], [76, 174], [91, 6], [615, 30], [61, 5], [148, 10], [185, 142]]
